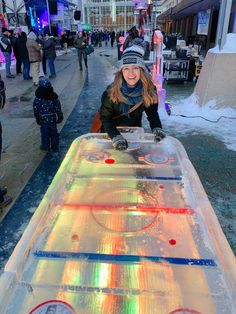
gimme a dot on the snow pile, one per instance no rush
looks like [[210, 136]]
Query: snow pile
[[229, 47], [188, 117]]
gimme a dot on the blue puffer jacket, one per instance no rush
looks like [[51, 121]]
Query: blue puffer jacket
[[47, 110]]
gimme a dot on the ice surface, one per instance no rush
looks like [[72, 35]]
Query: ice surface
[[122, 232]]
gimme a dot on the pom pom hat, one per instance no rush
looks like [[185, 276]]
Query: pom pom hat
[[132, 56], [45, 83]]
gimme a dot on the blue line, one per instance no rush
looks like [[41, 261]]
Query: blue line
[[111, 258], [160, 178]]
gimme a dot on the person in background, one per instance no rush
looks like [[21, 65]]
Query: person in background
[[125, 100], [24, 55], [113, 36], [48, 113], [14, 37], [4, 198], [34, 56], [2, 93], [80, 44], [6, 48], [64, 42], [49, 50], [41, 41], [106, 37]]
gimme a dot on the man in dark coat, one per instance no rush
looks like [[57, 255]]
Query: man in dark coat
[[24, 55], [113, 36], [5, 45], [80, 44], [49, 50], [16, 49]]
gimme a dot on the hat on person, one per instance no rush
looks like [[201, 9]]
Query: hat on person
[[45, 83], [132, 56]]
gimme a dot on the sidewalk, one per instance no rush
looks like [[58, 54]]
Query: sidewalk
[[21, 135]]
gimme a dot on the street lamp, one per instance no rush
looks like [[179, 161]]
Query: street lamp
[[48, 12]]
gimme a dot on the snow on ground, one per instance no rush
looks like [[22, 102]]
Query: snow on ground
[[207, 119]]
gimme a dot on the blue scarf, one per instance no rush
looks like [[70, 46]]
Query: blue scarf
[[133, 96]]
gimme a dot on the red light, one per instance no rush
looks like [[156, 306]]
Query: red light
[[161, 187], [172, 241], [75, 237], [109, 161]]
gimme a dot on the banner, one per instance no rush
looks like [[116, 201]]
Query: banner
[[203, 22]]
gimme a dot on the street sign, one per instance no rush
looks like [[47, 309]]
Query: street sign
[[87, 27]]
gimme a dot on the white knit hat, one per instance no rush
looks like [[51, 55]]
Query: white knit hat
[[132, 56]]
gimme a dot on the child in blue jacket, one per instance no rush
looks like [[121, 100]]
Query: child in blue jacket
[[47, 111]]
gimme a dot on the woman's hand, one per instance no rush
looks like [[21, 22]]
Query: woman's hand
[[119, 143]]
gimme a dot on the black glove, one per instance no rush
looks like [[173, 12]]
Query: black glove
[[119, 143], [159, 134]]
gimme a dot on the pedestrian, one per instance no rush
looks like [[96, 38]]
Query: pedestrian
[[113, 35], [49, 50], [106, 37], [34, 56], [131, 94], [14, 35], [48, 113], [64, 42], [24, 55], [2, 93], [41, 41], [6, 48], [80, 44], [4, 198]]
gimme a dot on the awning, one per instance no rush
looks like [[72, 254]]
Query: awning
[[188, 7], [165, 15]]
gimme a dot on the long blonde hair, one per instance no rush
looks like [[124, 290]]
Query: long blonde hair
[[149, 91]]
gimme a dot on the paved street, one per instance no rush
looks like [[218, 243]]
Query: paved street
[[27, 171]]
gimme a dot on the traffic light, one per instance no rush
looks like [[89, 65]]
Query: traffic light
[[77, 15]]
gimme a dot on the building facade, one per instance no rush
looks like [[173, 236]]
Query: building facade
[[41, 15], [195, 21], [108, 14]]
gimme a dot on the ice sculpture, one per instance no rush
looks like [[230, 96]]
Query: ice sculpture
[[122, 232]]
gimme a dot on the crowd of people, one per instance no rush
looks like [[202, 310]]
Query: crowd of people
[[122, 104]]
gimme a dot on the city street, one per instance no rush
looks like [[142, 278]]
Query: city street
[[27, 171]]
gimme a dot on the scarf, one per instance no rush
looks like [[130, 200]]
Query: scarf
[[133, 96]]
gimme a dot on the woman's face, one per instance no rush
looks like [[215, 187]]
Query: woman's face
[[131, 74]]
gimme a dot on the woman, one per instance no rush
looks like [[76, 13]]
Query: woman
[[131, 93]]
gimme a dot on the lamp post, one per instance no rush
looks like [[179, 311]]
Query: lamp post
[[125, 26], [48, 12]]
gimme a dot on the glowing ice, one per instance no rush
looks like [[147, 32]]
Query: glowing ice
[[135, 235]]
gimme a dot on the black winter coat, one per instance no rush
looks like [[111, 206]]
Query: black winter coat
[[47, 107], [49, 48], [23, 51], [110, 118]]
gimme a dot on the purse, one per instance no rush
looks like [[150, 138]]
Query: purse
[[89, 49], [96, 124]]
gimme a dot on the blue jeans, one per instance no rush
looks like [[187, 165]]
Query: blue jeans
[[49, 136], [51, 66], [26, 69], [7, 56]]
